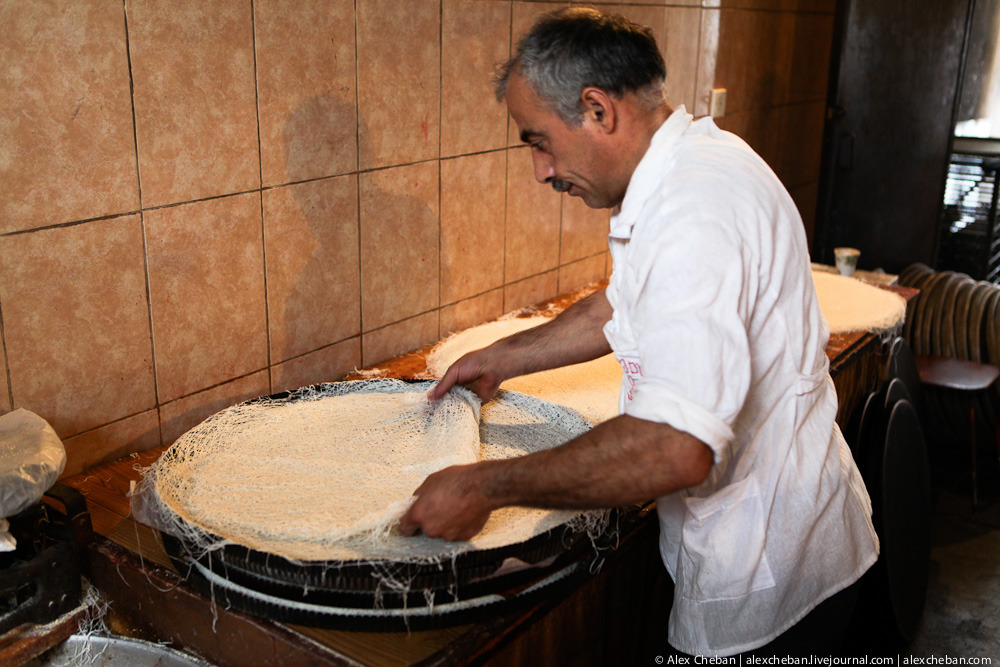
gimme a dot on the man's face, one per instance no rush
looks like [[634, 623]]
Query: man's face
[[571, 158]]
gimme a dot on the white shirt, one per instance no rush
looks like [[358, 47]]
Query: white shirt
[[719, 334]]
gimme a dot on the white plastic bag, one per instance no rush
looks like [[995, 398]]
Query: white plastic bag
[[31, 459]]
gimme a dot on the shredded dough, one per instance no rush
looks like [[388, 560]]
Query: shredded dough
[[850, 305], [590, 388], [325, 476]]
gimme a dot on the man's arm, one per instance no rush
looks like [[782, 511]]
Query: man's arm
[[574, 336], [621, 461]]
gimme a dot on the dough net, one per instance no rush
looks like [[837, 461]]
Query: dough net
[[590, 388], [326, 473], [850, 305], [296, 477]]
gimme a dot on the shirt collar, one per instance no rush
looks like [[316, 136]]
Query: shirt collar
[[645, 178]]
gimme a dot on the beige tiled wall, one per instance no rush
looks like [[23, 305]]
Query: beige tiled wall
[[202, 202]]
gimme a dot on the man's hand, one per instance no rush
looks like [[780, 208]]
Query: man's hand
[[476, 371], [449, 504], [574, 336]]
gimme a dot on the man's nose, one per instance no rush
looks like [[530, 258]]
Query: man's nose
[[544, 173]]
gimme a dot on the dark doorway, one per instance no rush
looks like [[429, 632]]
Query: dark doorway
[[895, 73]]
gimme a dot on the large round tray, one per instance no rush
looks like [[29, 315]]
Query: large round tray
[[386, 593]]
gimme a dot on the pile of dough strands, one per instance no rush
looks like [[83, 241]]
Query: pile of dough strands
[[287, 506], [590, 388], [850, 305]]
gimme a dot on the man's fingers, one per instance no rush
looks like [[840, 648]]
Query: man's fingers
[[442, 387], [407, 526]]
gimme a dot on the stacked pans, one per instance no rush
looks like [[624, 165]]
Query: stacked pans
[[457, 584], [389, 595]]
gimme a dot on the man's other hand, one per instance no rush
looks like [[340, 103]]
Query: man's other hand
[[449, 504], [475, 371]]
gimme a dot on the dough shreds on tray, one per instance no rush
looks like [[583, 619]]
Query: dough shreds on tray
[[590, 388], [850, 305], [326, 473], [286, 507]]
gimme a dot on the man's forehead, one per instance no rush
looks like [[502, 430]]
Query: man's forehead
[[528, 110]]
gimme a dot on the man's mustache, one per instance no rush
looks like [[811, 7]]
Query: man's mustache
[[560, 186]]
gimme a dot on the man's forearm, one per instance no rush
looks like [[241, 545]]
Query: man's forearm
[[622, 461], [574, 336]]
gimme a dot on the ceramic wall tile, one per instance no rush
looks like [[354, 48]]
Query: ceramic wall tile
[[648, 15], [66, 135], [5, 403], [531, 291], [533, 212], [195, 106], [113, 441], [313, 270], [399, 81], [382, 344], [578, 274], [400, 229], [468, 313], [306, 89], [523, 17], [472, 224], [328, 364], [206, 283], [680, 46], [319, 78], [475, 38], [76, 323], [708, 60], [180, 416], [584, 230]]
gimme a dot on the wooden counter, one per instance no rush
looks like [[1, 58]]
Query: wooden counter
[[617, 616]]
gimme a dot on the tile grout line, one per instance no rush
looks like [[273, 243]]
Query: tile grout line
[[142, 229], [357, 190], [440, 215], [158, 207], [260, 199], [506, 168], [6, 365]]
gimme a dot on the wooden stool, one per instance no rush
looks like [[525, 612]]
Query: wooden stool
[[965, 377]]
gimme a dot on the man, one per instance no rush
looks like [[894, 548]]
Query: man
[[727, 407]]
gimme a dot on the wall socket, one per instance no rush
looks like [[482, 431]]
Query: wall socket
[[717, 103]]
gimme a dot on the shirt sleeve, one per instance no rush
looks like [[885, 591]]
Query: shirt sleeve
[[689, 325]]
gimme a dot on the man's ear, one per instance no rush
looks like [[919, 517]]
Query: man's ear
[[599, 108]]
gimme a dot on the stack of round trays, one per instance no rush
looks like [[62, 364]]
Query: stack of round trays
[[387, 594]]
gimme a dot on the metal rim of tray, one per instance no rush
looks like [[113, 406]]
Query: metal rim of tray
[[364, 586], [368, 619]]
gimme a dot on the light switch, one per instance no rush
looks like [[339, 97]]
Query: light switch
[[717, 103]]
